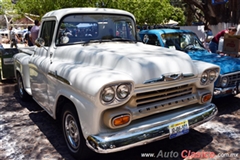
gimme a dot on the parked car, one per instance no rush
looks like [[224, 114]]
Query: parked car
[[109, 91], [228, 82]]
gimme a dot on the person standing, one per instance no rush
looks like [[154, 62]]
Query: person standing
[[213, 46], [34, 31], [1, 46], [27, 40], [12, 37]]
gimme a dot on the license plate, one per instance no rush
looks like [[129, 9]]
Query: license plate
[[178, 129]]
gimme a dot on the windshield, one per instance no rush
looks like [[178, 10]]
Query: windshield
[[95, 28], [182, 41]]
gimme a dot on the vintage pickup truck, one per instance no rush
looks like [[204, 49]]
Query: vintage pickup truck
[[109, 91], [228, 82]]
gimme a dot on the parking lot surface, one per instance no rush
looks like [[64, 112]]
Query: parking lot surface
[[28, 132]]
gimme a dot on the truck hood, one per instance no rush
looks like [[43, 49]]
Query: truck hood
[[140, 62], [228, 64]]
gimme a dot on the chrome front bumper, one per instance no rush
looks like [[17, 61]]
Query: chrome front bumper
[[218, 92], [150, 130]]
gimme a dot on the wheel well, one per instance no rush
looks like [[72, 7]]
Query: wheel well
[[17, 72], [61, 101]]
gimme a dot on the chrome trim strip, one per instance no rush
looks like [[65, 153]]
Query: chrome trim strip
[[59, 78], [230, 74], [150, 132], [168, 77]]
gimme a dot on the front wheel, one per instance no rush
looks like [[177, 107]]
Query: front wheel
[[72, 132], [22, 93]]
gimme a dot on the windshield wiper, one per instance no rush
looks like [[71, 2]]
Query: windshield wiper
[[91, 41], [105, 40], [195, 48], [122, 39]]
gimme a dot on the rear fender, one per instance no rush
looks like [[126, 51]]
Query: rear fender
[[21, 66]]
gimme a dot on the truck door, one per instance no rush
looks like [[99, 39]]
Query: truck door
[[39, 65]]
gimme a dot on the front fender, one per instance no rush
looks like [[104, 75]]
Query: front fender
[[89, 114], [203, 66], [83, 90]]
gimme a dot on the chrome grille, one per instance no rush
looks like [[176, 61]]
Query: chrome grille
[[164, 94], [233, 79]]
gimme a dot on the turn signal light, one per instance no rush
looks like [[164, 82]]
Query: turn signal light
[[206, 97], [121, 120]]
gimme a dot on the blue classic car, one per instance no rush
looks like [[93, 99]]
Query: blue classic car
[[228, 82]]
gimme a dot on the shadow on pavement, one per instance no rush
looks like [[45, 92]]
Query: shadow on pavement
[[227, 105]]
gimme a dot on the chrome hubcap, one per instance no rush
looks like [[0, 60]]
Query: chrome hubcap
[[72, 132]]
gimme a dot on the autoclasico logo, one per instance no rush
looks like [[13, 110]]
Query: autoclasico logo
[[186, 154], [201, 154]]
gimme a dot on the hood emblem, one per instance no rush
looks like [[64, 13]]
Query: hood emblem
[[166, 77], [173, 77]]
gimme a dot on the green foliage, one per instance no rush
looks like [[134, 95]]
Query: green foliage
[[145, 11], [175, 15], [6, 6]]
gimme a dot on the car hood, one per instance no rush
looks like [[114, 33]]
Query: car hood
[[228, 64], [140, 62]]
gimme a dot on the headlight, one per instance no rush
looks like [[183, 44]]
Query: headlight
[[123, 91], [209, 76], [212, 75], [108, 94], [224, 81], [204, 77], [116, 93]]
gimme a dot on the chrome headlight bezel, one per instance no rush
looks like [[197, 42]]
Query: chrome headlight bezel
[[212, 75], [204, 78], [108, 94], [224, 81], [120, 92], [209, 76]]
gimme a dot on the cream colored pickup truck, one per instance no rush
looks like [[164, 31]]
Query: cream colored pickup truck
[[109, 91]]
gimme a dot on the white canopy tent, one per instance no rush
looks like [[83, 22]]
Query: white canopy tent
[[171, 23]]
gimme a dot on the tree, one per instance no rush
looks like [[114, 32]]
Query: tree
[[204, 11], [151, 12], [6, 6], [8, 12]]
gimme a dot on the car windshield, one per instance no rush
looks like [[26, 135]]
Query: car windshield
[[182, 41], [92, 28]]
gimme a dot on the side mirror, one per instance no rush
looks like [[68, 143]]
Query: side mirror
[[39, 42]]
